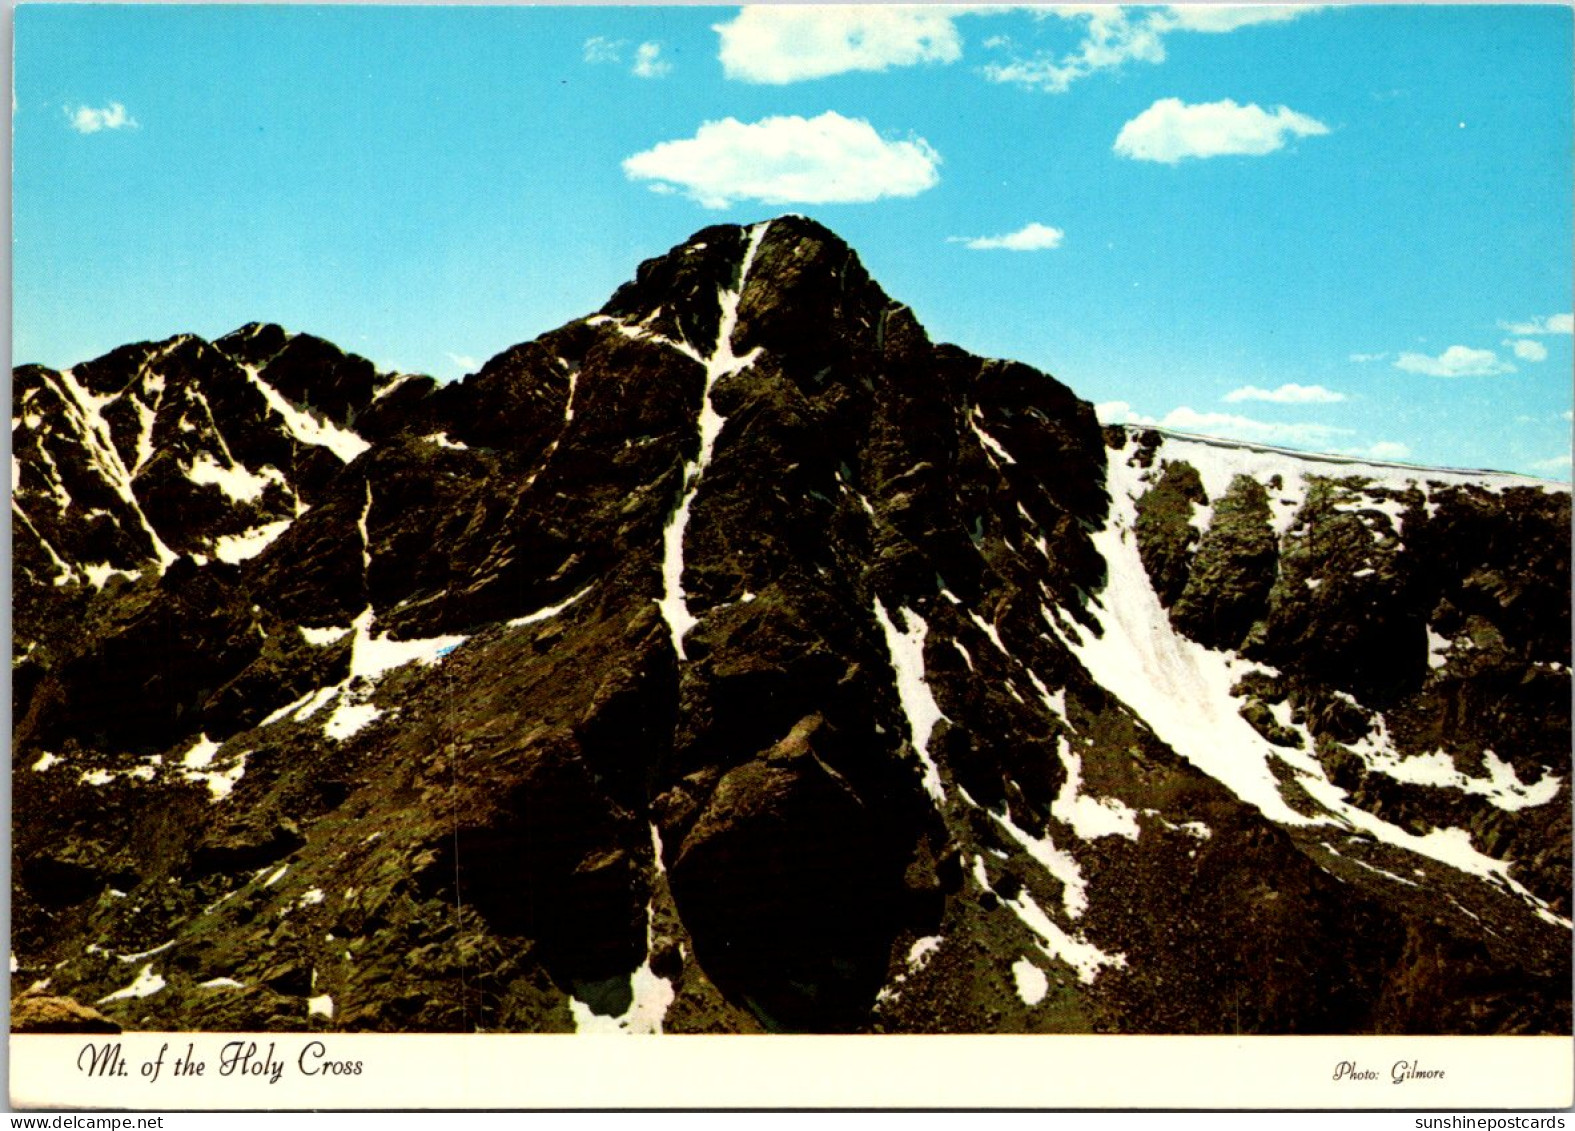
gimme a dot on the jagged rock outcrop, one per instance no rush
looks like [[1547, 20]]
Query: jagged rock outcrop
[[736, 658]]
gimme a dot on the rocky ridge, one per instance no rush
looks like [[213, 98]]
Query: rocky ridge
[[738, 659]]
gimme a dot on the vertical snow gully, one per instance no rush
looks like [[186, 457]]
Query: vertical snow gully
[[722, 362]]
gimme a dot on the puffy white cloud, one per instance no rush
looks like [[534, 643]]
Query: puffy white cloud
[[1119, 412], [1289, 393], [1114, 35], [1364, 358], [1171, 130], [1554, 465], [1528, 350], [788, 160], [1030, 237], [791, 42], [1552, 324], [1456, 361], [89, 120], [648, 61], [1225, 424]]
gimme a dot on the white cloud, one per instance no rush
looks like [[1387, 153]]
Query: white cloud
[[1285, 394], [88, 120], [1030, 237], [1112, 37], [1246, 428], [600, 49], [1556, 464], [789, 43], [1552, 324], [788, 160], [1171, 130], [464, 361], [1528, 350], [648, 61], [1382, 450], [1225, 424], [1364, 358], [1115, 35], [1219, 18], [1456, 361]]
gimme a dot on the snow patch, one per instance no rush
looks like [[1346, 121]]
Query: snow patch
[[1055, 703], [236, 548], [1060, 865], [45, 760], [320, 1006], [394, 383], [548, 611], [146, 984], [98, 574], [989, 630], [1089, 816], [322, 637], [1502, 787], [141, 954], [991, 444], [201, 753], [238, 482], [652, 996], [220, 782], [905, 648], [348, 719], [1218, 461], [919, 953], [307, 428], [1032, 985], [1082, 956], [373, 656], [966, 655]]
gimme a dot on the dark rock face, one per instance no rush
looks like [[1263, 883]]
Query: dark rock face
[[1167, 538], [736, 659], [1229, 582]]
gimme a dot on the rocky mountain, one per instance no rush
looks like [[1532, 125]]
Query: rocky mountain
[[737, 659]]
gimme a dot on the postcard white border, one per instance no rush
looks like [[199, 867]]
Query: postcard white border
[[554, 1072]]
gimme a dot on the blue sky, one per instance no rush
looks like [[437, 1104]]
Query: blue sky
[[1339, 228]]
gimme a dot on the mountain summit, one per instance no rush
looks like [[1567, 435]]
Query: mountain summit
[[738, 659]]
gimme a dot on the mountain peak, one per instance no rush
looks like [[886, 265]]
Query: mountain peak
[[736, 658]]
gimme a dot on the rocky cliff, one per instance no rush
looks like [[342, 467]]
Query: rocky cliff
[[738, 659]]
